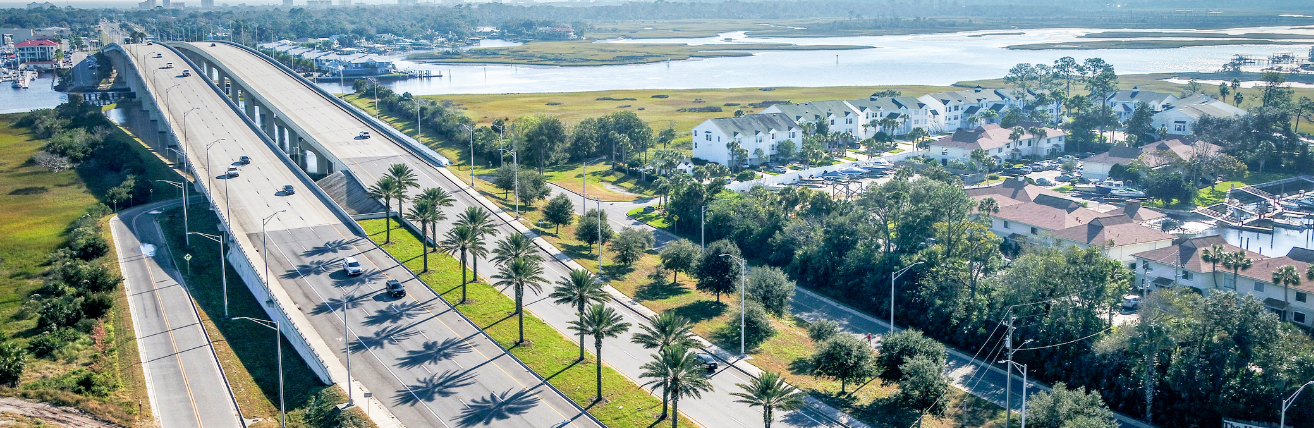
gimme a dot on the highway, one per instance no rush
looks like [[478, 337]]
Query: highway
[[368, 159], [184, 382], [424, 364]]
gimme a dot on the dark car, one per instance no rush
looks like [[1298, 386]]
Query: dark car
[[289, 190], [212, 45], [707, 361], [395, 289], [244, 160], [1017, 171]]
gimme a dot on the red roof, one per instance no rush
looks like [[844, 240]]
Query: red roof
[[36, 43]]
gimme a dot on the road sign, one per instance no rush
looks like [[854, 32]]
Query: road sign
[[187, 257]]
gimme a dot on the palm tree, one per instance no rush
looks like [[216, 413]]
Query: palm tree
[[439, 199], [601, 322], [579, 290], [677, 371], [405, 179], [481, 224], [1016, 137], [988, 115], [1287, 277], [519, 274], [458, 240], [1309, 273], [667, 329], [425, 213], [1237, 262], [386, 189], [1214, 255], [888, 124], [515, 246], [770, 392]]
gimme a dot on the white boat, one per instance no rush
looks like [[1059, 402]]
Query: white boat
[[1127, 192]]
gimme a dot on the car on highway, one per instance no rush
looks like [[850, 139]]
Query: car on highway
[[244, 160], [395, 289], [187, 73], [351, 266], [212, 45], [232, 172], [168, 65], [363, 135], [707, 361], [289, 190], [159, 55]]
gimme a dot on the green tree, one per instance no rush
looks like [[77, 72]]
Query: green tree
[[718, 274], [1068, 408], [519, 274], [481, 224], [903, 346], [579, 290], [922, 384], [1287, 277], [785, 151], [769, 286], [1237, 261], [425, 213], [460, 240], [601, 322], [677, 371], [1141, 123], [439, 199], [387, 189], [666, 329], [630, 245], [757, 325], [845, 358], [13, 359], [770, 392], [822, 330], [587, 230], [405, 179], [515, 246], [1214, 255], [680, 256], [559, 211]]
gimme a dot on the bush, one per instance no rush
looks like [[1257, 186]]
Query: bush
[[87, 277], [899, 348], [46, 344], [758, 326], [12, 362], [745, 175], [822, 330], [97, 305], [87, 243], [922, 384], [992, 177], [61, 312]]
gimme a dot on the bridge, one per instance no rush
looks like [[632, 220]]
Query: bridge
[[419, 362]]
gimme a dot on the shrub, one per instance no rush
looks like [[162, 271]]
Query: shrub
[[992, 177], [822, 330], [757, 324], [899, 348], [97, 305], [88, 277], [87, 243], [12, 362], [49, 342], [745, 175], [922, 384], [61, 312]]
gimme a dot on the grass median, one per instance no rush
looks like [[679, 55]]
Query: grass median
[[552, 355]]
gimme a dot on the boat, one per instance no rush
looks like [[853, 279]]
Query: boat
[[1127, 192]]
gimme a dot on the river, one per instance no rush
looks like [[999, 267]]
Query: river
[[922, 59], [39, 94]]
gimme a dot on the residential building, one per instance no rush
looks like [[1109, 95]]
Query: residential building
[[1153, 155], [712, 139], [1182, 266], [1179, 117], [997, 142], [35, 51], [907, 112], [146, 4], [1123, 103], [838, 116]]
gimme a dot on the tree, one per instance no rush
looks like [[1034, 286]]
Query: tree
[[822, 330], [769, 286], [505, 180], [1016, 135], [1276, 93], [460, 240], [631, 244], [770, 392], [559, 211], [426, 214], [587, 230], [923, 383], [903, 346], [439, 199], [387, 189], [13, 359], [601, 322], [757, 326], [480, 223], [1304, 106], [1237, 261], [580, 290], [405, 179], [785, 150], [519, 274], [1214, 255], [1287, 277], [680, 256], [1223, 90], [677, 371], [717, 274], [667, 329], [1238, 98], [123, 192], [1064, 408], [845, 358], [1141, 123]]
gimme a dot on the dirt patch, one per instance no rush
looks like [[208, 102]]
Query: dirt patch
[[29, 191], [18, 411]]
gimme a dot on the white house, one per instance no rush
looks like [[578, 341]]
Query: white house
[[957, 108], [839, 116], [909, 113], [712, 139], [1180, 117], [995, 140], [35, 51], [1123, 103]]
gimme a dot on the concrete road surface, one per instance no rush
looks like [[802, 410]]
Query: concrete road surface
[[185, 384]]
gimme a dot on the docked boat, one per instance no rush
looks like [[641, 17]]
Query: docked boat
[[1127, 192]]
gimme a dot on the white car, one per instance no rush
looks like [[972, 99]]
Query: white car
[[1131, 301], [364, 135], [351, 266]]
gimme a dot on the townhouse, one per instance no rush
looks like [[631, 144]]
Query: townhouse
[[997, 142], [1183, 265], [838, 116], [907, 112], [1153, 155], [712, 139], [1179, 117], [1123, 103]]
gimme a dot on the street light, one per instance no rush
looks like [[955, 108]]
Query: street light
[[278, 327], [892, 277], [347, 299], [187, 227], [223, 264], [209, 179], [743, 272], [1289, 401], [471, 129], [264, 253], [1023, 367], [515, 172]]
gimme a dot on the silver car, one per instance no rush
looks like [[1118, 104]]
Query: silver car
[[351, 266]]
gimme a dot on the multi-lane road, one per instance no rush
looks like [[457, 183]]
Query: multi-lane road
[[423, 363]]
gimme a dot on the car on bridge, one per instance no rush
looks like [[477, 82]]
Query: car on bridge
[[244, 160], [289, 190], [352, 266], [364, 135], [395, 289], [232, 172], [187, 73]]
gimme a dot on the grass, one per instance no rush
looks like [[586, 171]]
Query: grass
[[551, 354], [652, 218], [588, 53], [242, 346], [1210, 195]]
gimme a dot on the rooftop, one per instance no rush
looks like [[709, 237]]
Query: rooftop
[[753, 124], [1112, 230], [990, 136]]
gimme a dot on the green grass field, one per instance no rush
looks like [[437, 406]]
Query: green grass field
[[551, 354]]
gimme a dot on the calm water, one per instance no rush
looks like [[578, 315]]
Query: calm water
[[38, 95], [1273, 245], [931, 59]]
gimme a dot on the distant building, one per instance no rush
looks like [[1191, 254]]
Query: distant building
[[344, 3], [146, 4], [712, 138], [1153, 155], [35, 51], [1123, 103], [321, 4], [35, 5], [207, 4], [1179, 117]]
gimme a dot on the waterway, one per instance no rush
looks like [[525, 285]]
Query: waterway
[[39, 94], [921, 59], [1274, 244]]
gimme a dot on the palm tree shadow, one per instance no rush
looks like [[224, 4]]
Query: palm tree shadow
[[394, 313], [432, 352], [497, 407], [439, 385], [335, 304], [798, 419], [391, 335], [370, 275], [330, 247], [311, 268]]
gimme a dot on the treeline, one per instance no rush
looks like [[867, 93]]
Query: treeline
[[1192, 361]]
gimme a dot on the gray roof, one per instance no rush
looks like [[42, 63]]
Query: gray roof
[[1213, 108], [971, 96], [814, 110], [887, 103], [752, 124], [1135, 95]]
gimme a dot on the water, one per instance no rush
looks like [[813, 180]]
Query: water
[[1276, 244], [925, 59], [38, 95]]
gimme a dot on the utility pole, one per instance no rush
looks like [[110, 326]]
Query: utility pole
[[702, 228], [1008, 394]]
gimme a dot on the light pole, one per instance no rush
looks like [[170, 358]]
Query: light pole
[[209, 173], [1008, 377], [264, 252], [223, 264], [515, 172], [348, 299], [743, 304], [187, 228], [472, 165], [277, 327], [1289, 401], [892, 277], [599, 236], [1023, 367]]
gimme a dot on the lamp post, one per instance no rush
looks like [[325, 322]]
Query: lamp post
[[223, 264], [1023, 367], [472, 162], [264, 252], [187, 228], [1289, 401], [277, 327], [348, 299], [892, 277], [599, 236], [209, 173], [743, 304], [515, 172]]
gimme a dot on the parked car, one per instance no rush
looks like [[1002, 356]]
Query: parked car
[[232, 172], [1063, 178], [1038, 166], [395, 289], [1131, 301], [707, 361], [351, 266], [1044, 181], [244, 160], [1017, 171], [364, 135], [779, 169], [289, 190]]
